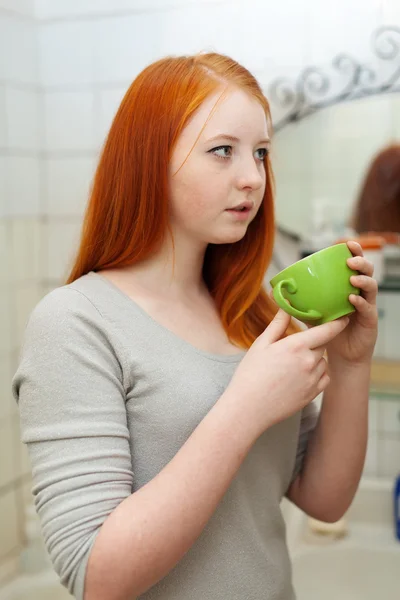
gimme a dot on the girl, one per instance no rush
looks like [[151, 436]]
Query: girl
[[159, 391]]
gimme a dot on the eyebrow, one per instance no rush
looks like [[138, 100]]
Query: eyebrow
[[232, 138]]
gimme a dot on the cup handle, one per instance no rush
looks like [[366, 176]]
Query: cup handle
[[290, 285]]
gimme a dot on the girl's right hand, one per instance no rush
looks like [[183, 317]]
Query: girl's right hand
[[278, 377]]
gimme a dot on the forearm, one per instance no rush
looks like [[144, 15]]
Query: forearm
[[150, 531], [336, 451]]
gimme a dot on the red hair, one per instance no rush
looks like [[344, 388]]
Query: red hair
[[378, 205], [127, 215]]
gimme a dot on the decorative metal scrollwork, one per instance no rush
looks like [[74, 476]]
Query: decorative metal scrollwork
[[348, 79]]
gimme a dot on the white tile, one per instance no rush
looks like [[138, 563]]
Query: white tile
[[7, 402], [62, 246], [9, 539], [8, 472], [123, 46], [371, 460], [391, 324], [391, 12], [66, 53], [18, 50], [23, 119], [69, 121], [389, 457], [21, 7], [373, 416], [23, 465], [379, 350], [26, 297], [341, 27], [68, 185], [109, 101], [3, 120], [46, 9], [26, 250], [5, 320], [4, 250], [390, 417], [23, 186], [3, 188]]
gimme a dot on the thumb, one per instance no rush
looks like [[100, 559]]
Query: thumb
[[277, 328]]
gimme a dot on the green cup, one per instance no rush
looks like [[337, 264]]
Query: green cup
[[317, 287]]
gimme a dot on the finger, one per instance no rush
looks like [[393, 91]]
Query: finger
[[321, 368], [277, 328], [361, 264], [320, 335], [355, 248], [367, 285], [364, 308], [323, 383]]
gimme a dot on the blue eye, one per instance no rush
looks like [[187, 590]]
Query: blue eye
[[219, 149], [225, 149], [264, 152]]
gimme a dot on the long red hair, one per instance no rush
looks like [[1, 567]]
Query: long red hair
[[127, 214]]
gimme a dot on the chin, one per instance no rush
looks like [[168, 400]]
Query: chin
[[228, 237]]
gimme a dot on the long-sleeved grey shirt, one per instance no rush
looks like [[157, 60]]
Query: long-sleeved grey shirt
[[107, 396]]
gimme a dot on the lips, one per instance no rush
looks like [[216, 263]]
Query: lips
[[242, 207]]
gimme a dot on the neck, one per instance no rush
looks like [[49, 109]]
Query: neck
[[175, 274]]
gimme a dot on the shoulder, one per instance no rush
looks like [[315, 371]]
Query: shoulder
[[61, 307]]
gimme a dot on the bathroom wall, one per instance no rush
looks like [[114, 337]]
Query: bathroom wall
[[64, 67], [20, 263]]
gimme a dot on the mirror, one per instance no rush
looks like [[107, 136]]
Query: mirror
[[321, 161]]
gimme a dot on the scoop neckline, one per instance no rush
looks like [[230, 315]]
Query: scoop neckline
[[229, 358]]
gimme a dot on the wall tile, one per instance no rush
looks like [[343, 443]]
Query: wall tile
[[390, 417], [66, 53], [109, 101], [18, 50], [62, 245], [371, 460], [68, 185], [123, 46], [23, 118], [391, 325], [26, 250], [373, 421], [69, 121], [64, 8], [341, 27], [3, 188], [9, 539], [389, 457], [23, 186], [5, 324], [8, 407], [21, 7], [8, 472], [3, 120], [25, 299]]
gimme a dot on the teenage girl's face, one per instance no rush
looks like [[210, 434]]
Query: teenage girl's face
[[221, 170]]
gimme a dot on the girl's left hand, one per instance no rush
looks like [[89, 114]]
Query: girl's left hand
[[355, 344]]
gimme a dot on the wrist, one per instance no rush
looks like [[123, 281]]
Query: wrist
[[343, 366], [232, 410]]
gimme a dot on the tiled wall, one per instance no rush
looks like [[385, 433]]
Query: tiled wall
[[64, 75], [20, 165]]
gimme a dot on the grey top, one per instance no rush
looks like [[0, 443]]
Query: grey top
[[107, 396]]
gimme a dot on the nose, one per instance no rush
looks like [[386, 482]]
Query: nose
[[251, 175]]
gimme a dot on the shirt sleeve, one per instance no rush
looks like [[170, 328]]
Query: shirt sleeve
[[71, 396], [309, 418]]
